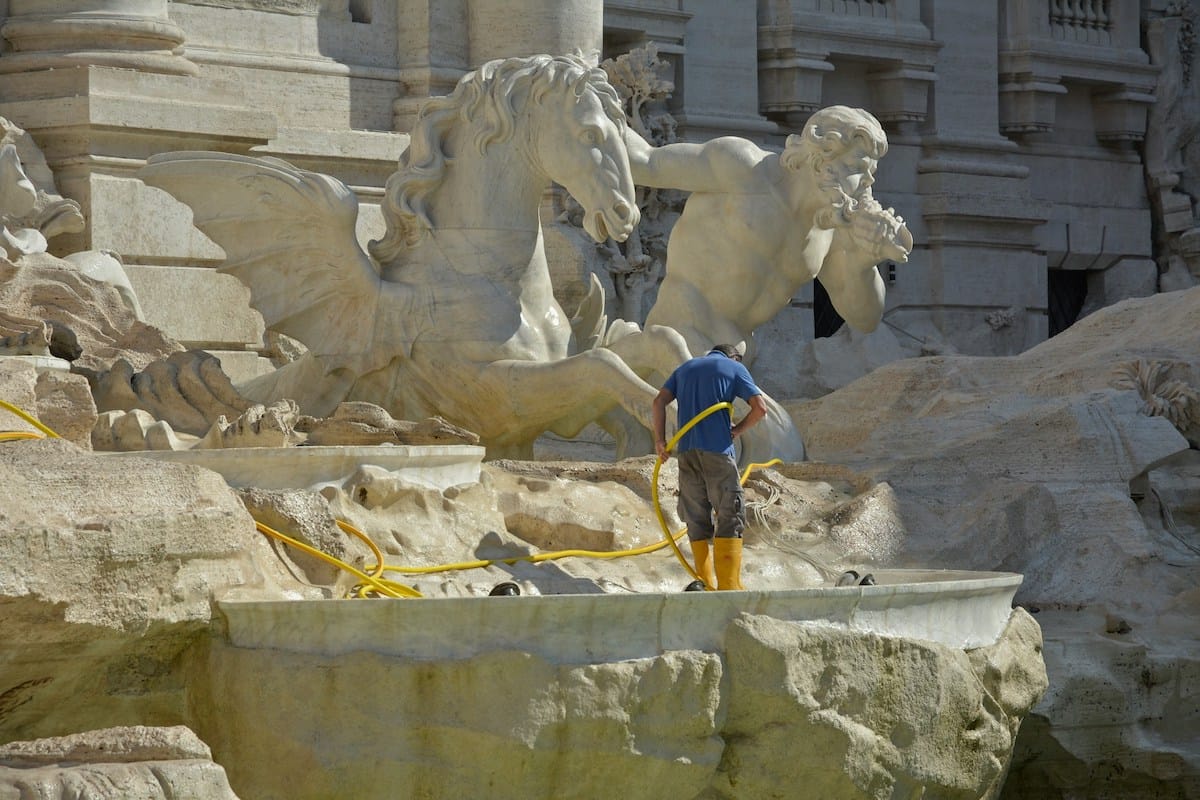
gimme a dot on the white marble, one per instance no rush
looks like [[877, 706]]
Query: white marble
[[452, 312], [956, 608], [43, 363]]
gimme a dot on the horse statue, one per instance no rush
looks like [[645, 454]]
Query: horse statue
[[452, 311]]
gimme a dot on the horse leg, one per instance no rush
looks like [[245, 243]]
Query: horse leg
[[565, 395], [653, 354], [304, 380]]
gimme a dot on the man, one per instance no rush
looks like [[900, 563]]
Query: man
[[759, 225], [708, 473]]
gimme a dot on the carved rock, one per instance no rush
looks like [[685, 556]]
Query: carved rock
[[188, 390], [43, 288], [366, 424], [147, 763], [258, 426], [108, 570]]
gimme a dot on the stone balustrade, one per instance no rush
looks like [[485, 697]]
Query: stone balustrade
[[1081, 21]]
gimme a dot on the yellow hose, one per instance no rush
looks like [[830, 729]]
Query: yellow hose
[[13, 435], [387, 588], [374, 581]]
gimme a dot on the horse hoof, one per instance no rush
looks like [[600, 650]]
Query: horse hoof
[[849, 578], [506, 589], [867, 580], [695, 586]]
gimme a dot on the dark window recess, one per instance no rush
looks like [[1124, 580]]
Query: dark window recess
[[360, 10], [826, 319], [1068, 290]]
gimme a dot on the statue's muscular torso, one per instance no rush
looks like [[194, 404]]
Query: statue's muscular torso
[[734, 260]]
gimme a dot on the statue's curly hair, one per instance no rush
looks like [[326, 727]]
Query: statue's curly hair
[[831, 132], [487, 99]]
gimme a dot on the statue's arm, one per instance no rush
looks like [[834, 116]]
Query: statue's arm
[[854, 285], [719, 165], [849, 273]]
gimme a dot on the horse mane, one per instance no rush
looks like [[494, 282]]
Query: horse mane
[[487, 99]]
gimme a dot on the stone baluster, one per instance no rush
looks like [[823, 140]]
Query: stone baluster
[[1103, 23], [1058, 13], [128, 34]]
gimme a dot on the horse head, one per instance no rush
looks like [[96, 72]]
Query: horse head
[[577, 138], [563, 116]]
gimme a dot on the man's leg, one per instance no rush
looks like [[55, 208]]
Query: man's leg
[[725, 492], [695, 510]]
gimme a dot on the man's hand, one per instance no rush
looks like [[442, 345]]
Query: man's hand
[[758, 410], [660, 447]]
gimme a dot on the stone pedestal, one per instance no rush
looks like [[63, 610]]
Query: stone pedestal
[[130, 34]]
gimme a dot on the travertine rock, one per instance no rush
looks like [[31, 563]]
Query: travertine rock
[[257, 426], [786, 708], [880, 718], [1062, 464], [188, 390], [43, 288], [134, 762], [366, 423], [108, 570], [64, 405]]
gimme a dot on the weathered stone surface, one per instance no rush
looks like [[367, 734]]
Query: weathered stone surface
[[108, 569], [43, 288], [1062, 464], [786, 705], [18, 386], [65, 406], [134, 762], [506, 721], [880, 718]]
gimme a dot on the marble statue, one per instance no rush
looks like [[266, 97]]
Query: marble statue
[[80, 308], [759, 225], [452, 311], [17, 198], [32, 212]]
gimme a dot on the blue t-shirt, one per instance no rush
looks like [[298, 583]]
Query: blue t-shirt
[[700, 383]]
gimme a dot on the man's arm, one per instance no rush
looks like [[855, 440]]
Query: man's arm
[[758, 410], [661, 401], [719, 165]]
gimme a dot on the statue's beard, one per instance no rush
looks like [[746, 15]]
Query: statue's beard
[[839, 208]]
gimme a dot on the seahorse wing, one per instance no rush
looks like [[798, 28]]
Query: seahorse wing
[[288, 235]]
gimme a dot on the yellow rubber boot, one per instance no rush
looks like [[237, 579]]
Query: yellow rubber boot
[[727, 557], [704, 565]]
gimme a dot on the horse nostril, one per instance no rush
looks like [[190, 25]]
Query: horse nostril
[[622, 210]]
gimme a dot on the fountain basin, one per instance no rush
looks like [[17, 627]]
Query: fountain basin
[[956, 608], [436, 466]]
